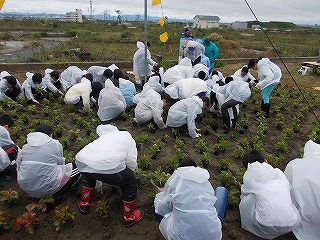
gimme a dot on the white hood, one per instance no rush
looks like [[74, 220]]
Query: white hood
[[311, 149], [38, 138], [262, 172], [140, 45], [194, 174], [4, 74], [185, 62], [103, 129]]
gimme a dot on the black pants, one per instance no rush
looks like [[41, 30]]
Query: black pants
[[62, 193], [125, 179], [13, 93], [224, 110]]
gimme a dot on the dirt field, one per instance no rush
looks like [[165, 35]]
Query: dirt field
[[90, 226]]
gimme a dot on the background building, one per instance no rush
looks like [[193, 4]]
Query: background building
[[239, 25], [74, 16], [203, 21]]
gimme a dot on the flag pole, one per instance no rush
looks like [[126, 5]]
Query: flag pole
[[145, 41]]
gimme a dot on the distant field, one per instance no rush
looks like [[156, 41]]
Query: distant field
[[109, 42]]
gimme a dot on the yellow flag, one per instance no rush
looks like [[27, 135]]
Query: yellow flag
[[155, 2], [161, 22], [164, 37], [1, 3]]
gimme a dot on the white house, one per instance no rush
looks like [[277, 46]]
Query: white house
[[239, 25], [204, 21], [74, 16]]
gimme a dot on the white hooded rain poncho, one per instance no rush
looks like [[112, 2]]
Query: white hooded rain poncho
[[41, 169], [97, 74], [236, 89], [268, 73], [4, 85], [110, 153], [150, 107], [111, 102], [153, 83], [185, 112], [5, 139], [266, 208], [28, 84], [49, 81], [187, 205], [181, 71], [193, 50], [139, 62], [71, 76], [186, 88], [303, 174]]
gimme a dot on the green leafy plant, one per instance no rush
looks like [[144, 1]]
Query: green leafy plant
[[224, 164], [233, 198], [10, 196], [202, 145], [28, 220], [151, 127], [101, 207], [62, 215], [158, 177], [205, 159], [154, 150], [44, 203], [3, 221], [144, 161], [238, 151], [226, 178]]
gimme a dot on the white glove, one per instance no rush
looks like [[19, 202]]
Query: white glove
[[198, 135], [61, 93], [198, 129], [35, 101]]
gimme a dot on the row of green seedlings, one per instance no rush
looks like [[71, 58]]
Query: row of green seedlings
[[29, 220], [144, 161]]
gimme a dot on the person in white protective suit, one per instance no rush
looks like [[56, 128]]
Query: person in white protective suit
[[29, 86], [139, 62], [150, 108], [52, 80], [194, 50], [188, 207], [8, 149], [110, 102], [153, 83], [185, 112], [229, 97], [269, 75], [97, 73], [41, 167], [71, 76], [111, 159], [10, 87], [186, 88], [79, 94], [180, 71], [266, 207], [200, 68], [244, 74], [303, 175]]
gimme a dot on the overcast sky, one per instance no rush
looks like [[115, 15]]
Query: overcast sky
[[297, 11]]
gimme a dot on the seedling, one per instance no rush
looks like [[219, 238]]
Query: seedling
[[151, 127], [159, 178], [9, 197], [62, 216], [28, 220], [44, 203], [101, 207], [3, 221]]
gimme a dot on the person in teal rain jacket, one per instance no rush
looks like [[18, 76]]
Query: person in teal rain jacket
[[211, 51]]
